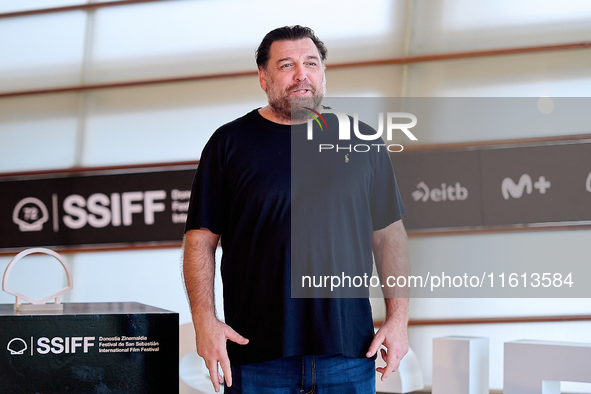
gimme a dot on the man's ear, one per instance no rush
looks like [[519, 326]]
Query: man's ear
[[262, 79]]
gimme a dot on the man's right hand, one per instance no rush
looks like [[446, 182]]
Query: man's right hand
[[211, 334], [211, 337]]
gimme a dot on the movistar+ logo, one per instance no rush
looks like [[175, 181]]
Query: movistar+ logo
[[515, 190]]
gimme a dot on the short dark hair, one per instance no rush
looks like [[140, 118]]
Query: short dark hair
[[290, 33]]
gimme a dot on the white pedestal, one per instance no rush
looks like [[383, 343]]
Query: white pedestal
[[538, 367], [460, 365]]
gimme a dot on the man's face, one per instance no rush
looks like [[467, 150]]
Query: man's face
[[294, 71]]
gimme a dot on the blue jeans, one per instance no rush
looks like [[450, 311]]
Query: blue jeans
[[305, 375]]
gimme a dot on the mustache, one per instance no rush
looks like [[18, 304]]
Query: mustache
[[299, 86]]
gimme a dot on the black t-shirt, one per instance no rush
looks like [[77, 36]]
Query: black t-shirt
[[261, 197]]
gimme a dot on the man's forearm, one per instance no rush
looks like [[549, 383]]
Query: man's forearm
[[397, 310], [211, 334], [391, 257], [199, 272], [390, 252]]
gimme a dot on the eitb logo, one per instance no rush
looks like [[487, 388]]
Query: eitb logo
[[344, 125]]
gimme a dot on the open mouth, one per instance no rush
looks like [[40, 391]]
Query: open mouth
[[302, 92]]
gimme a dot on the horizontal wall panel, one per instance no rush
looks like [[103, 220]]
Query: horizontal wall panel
[[40, 51], [371, 81], [162, 123], [208, 37], [464, 25], [552, 74], [36, 145], [26, 5], [38, 132]]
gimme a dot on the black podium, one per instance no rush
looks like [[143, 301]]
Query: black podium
[[90, 348]]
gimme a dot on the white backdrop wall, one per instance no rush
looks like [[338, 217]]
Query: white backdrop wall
[[172, 122]]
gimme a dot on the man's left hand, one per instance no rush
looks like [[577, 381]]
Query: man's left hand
[[393, 335]]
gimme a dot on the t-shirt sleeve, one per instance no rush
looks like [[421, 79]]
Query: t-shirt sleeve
[[385, 201], [206, 208]]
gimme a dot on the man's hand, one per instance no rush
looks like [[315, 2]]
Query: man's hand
[[211, 334], [211, 340], [394, 337], [390, 251]]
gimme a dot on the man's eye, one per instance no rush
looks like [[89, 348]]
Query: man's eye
[[286, 65]]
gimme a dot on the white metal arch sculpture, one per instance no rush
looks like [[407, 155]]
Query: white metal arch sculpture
[[37, 305]]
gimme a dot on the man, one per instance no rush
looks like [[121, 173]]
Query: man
[[271, 342]]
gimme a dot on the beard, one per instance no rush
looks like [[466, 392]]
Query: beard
[[292, 109]]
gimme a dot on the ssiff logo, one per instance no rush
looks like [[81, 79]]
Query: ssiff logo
[[16, 346], [345, 130], [29, 214], [55, 345]]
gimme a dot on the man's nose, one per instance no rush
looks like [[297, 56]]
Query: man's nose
[[300, 73]]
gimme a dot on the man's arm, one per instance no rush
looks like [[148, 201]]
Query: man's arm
[[211, 334], [391, 255]]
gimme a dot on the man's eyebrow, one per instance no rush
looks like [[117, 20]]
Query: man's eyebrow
[[285, 59]]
